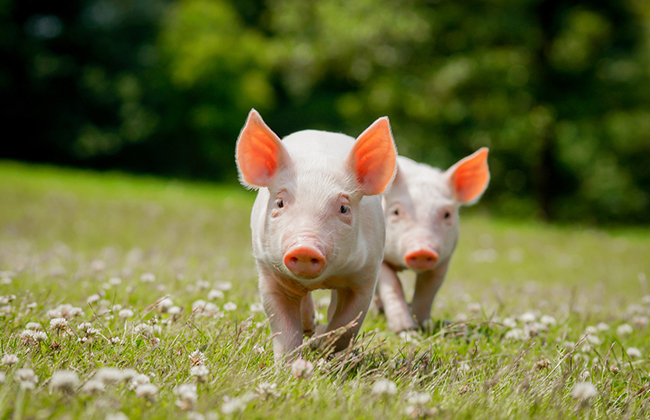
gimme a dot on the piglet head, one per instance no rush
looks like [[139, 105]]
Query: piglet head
[[421, 209], [312, 214]]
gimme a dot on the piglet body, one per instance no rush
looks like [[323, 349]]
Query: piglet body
[[421, 211], [317, 223]]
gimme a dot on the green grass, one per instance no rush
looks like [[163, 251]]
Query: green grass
[[64, 234]]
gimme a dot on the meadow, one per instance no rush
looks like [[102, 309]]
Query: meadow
[[134, 297]]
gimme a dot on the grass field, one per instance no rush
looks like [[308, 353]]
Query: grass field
[[533, 321]]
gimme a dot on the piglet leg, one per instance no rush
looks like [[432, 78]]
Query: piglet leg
[[283, 309], [392, 297], [426, 287], [307, 312], [350, 305]]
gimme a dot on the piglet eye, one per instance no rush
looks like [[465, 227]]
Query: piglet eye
[[345, 209], [279, 203], [396, 212], [447, 215]]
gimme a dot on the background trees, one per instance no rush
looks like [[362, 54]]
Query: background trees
[[559, 90]]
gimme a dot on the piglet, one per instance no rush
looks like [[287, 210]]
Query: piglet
[[421, 210], [317, 223]]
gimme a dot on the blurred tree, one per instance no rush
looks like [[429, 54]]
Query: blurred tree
[[558, 89]]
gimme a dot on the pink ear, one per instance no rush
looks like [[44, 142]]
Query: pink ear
[[373, 158], [260, 154], [470, 177]]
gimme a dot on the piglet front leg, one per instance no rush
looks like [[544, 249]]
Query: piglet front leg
[[283, 309], [426, 286], [392, 298], [351, 305]]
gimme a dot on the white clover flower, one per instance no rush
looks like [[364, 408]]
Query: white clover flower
[[109, 375], [197, 358], [26, 378], [223, 285], [35, 326], [137, 380], [510, 322], [125, 313], [516, 334], [409, 337], [592, 339], [528, 317], [302, 369], [319, 317], [93, 387], [128, 374], [85, 326], [39, 336], [418, 398], [591, 329], [230, 306], [461, 317], [58, 324], [201, 373], [116, 308], [202, 284], [232, 405], [66, 311], [115, 281], [116, 340], [198, 304], [93, 298], [145, 330], [584, 391], [148, 278], [5, 310], [165, 304], [267, 389], [4, 300], [5, 280], [384, 387], [633, 352], [602, 326], [10, 359], [148, 391], [640, 322], [215, 294], [187, 396], [64, 380], [175, 310], [474, 307], [646, 299], [256, 307], [624, 329], [27, 335], [116, 416], [547, 320], [3, 377]]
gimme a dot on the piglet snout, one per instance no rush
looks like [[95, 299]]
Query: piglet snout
[[422, 259], [304, 261]]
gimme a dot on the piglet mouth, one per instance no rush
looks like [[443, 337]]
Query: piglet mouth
[[304, 261], [421, 259]]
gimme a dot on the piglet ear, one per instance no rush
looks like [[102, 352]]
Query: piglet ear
[[470, 177], [373, 158], [260, 153]]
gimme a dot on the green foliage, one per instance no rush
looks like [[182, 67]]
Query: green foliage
[[557, 89]]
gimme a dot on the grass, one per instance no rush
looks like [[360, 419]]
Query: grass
[[66, 236]]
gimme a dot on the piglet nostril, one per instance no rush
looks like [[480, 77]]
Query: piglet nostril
[[421, 259], [304, 261]]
